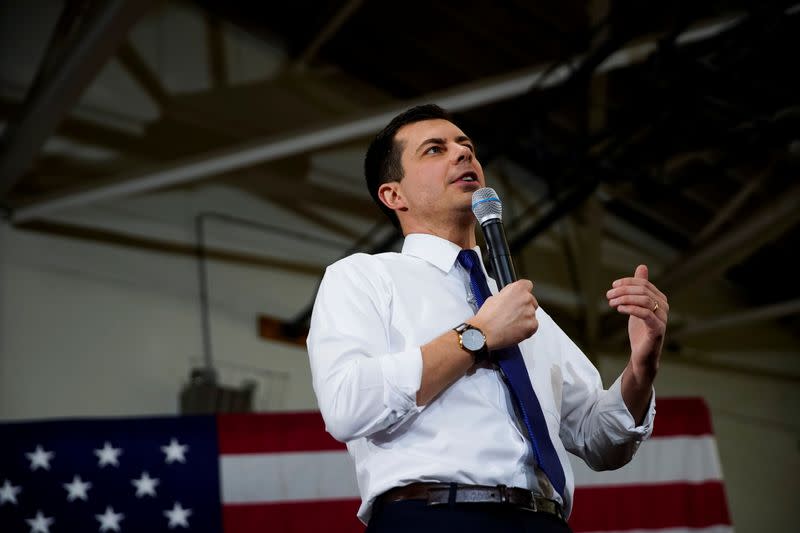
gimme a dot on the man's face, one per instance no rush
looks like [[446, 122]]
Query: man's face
[[440, 171]]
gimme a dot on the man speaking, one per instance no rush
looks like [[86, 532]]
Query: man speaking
[[458, 401]]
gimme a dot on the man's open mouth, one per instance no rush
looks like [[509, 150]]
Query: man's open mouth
[[467, 177]]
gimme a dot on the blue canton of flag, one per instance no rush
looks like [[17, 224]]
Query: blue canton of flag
[[126, 475]]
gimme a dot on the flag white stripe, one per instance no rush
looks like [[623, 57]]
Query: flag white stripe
[[280, 477], [307, 476], [659, 460]]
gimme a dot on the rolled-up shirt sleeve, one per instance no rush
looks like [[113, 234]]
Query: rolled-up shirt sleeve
[[361, 386], [596, 424]]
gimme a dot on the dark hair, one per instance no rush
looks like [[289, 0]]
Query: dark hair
[[382, 163]]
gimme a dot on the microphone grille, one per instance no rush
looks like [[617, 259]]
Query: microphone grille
[[486, 205]]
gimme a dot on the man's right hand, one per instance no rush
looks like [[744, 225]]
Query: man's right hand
[[508, 317]]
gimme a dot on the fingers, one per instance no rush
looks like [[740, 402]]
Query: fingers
[[640, 278], [509, 316], [523, 287], [526, 284], [638, 292], [642, 312], [641, 300], [647, 304]]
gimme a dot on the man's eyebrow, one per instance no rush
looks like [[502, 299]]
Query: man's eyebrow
[[426, 142], [463, 139]]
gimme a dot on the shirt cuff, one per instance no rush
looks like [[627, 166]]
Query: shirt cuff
[[621, 419], [402, 378]]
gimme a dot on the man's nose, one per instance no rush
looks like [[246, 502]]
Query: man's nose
[[463, 153]]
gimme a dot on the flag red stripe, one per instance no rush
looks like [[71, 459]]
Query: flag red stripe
[[597, 509], [274, 433], [601, 508], [682, 417], [331, 516], [305, 431], [649, 507]]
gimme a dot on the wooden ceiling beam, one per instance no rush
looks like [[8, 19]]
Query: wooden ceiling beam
[[257, 151], [51, 100], [323, 221], [284, 189], [90, 132], [217, 58], [135, 65], [729, 210], [326, 33], [171, 107], [758, 314], [113, 238], [712, 258], [752, 232], [148, 147]]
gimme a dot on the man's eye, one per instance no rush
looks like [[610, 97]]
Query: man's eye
[[434, 150]]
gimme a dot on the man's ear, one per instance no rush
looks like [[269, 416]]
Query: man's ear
[[391, 194]]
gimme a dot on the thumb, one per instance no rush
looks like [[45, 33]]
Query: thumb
[[641, 272]]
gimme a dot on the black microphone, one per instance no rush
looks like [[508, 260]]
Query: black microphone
[[489, 211]]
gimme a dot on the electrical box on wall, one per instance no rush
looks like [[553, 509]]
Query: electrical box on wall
[[203, 395]]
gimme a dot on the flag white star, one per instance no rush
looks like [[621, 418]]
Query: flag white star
[[77, 489], [175, 451], [108, 455], [40, 458], [40, 523], [145, 485], [8, 493], [109, 519], [178, 516]]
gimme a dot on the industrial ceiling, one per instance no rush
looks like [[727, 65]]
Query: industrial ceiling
[[672, 129]]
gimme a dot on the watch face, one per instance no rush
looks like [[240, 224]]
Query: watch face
[[472, 340]]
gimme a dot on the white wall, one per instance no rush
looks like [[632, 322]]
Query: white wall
[[92, 329]]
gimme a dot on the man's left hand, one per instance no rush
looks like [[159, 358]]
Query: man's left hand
[[648, 311]]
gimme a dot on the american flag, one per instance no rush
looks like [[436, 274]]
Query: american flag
[[243, 473], [136, 474]]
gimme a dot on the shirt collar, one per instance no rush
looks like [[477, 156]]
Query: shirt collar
[[437, 251]]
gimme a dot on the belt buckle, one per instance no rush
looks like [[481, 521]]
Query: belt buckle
[[432, 501], [503, 491], [532, 507]]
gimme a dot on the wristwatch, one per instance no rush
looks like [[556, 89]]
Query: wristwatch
[[472, 340]]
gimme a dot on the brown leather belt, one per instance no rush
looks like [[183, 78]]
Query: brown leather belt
[[440, 493]]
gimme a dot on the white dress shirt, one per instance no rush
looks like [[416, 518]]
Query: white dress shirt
[[371, 316]]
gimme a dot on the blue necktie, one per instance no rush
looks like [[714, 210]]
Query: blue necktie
[[519, 383]]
